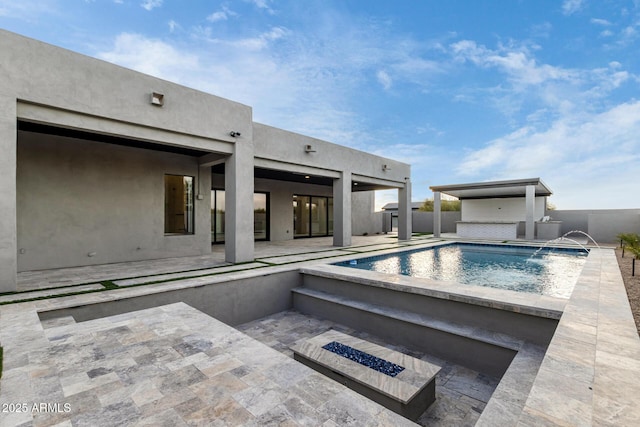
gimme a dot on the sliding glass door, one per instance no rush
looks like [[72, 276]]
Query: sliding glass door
[[260, 216], [217, 216], [312, 216], [301, 210]]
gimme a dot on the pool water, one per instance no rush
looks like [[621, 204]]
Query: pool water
[[551, 272]]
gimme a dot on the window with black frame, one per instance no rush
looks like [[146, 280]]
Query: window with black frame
[[178, 204]]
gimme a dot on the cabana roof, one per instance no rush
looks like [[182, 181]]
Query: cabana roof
[[493, 189]]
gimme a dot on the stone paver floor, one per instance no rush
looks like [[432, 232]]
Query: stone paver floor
[[167, 366], [461, 394]]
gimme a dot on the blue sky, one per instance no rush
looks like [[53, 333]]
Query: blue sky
[[464, 91]]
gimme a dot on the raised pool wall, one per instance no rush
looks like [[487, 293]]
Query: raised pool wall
[[233, 299]]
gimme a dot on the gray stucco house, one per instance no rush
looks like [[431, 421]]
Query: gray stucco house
[[102, 164]]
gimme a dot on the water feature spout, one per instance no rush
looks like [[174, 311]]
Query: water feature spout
[[583, 233], [558, 239]]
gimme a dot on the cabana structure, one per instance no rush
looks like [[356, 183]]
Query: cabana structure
[[496, 209]]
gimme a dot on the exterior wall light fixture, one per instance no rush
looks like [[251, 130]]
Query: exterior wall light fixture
[[386, 168], [157, 99], [309, 149], [234, 134]]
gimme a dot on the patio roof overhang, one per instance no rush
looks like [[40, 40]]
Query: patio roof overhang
[[493, 189]]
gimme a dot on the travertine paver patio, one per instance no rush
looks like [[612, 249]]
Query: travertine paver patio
[[135, 272], [172, 366]]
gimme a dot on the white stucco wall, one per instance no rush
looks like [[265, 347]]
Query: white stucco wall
[[500, 209], [78, 197]]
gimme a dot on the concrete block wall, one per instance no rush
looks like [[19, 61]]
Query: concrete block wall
[[601, 224], [423, 221]]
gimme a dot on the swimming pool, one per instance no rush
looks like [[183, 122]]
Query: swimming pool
[[552, 271]]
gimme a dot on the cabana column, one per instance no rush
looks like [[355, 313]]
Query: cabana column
[[404, 211], [529, 233], [437, 214]]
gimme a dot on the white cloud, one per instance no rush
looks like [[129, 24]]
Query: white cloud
[[598, 21], [542, 30], [384, 79], [173, 26], [629, 33], [570, 7], [529, 85], [517, 62], [27, 9], [218, 16], [263, 4], [578, 152], [151, 56], [151, 4], [221, 15]]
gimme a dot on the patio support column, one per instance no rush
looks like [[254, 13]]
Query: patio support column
[[404, 211], [8, 217], [529, 233], [342, 210], [238, 186], [437, 214]]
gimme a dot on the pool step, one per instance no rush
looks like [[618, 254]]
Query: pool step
[[411, 330], [472, 331], [462, 330], [448, 303]]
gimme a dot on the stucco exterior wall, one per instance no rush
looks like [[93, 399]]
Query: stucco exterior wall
[[288, 148], [363, 218], [38, 73], [500, 209], [77, 198]]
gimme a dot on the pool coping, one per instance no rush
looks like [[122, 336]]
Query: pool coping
[[590, 371]]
